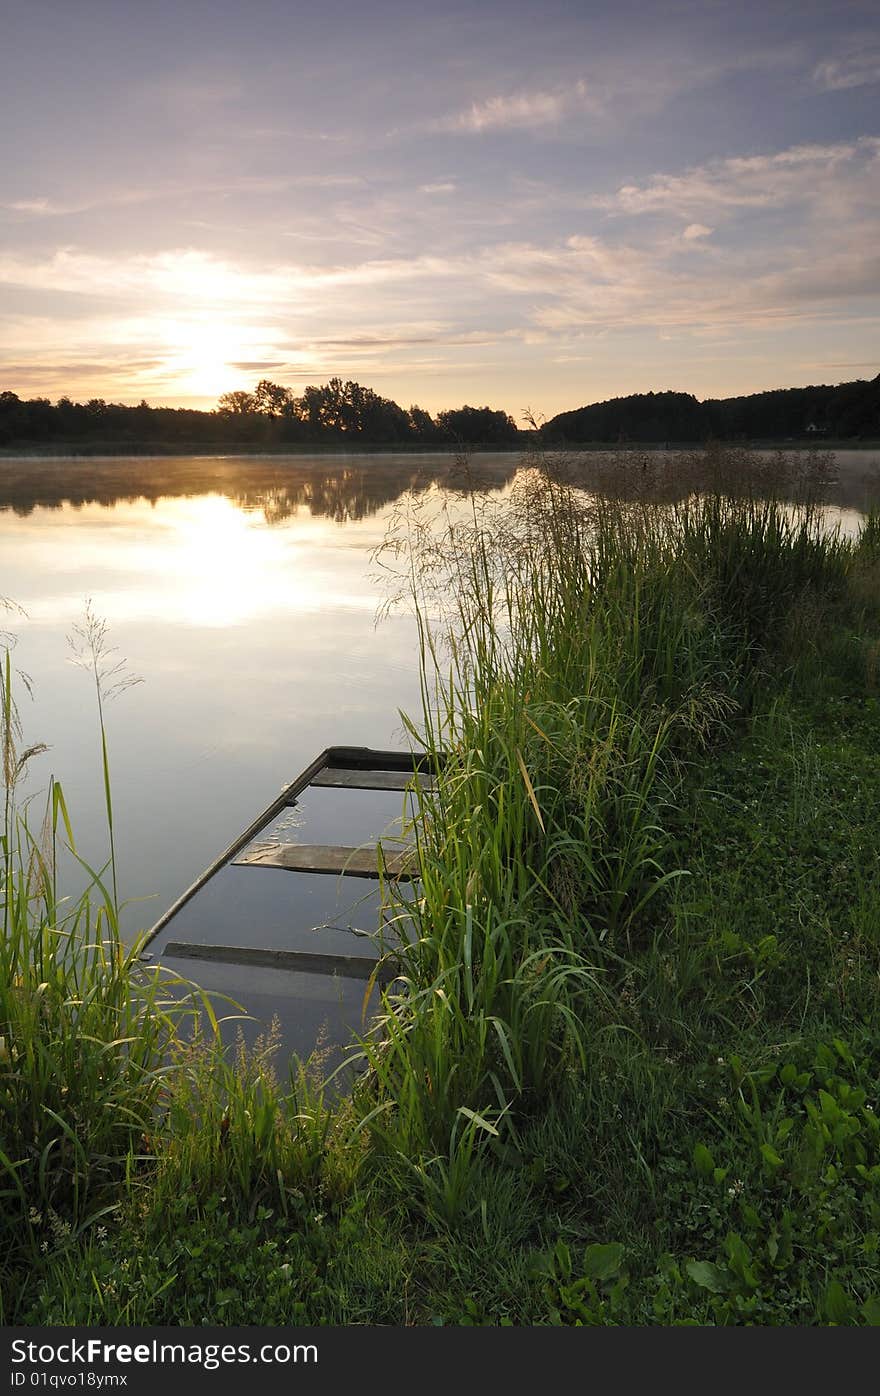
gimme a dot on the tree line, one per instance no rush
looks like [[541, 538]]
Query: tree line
[[345, 412], [270, 415], [343, 409], [845, 411]]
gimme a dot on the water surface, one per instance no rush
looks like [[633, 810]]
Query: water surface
[[244, 594]]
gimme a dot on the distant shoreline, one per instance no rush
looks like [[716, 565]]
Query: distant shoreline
[[154, 451]]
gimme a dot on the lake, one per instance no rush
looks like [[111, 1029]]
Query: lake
[[243, 592]]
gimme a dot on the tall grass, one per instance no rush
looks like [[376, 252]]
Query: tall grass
[[230, 1128], [576, 652], [114, 1079], [85, 1026]]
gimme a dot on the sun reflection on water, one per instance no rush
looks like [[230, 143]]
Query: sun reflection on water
[[199, 561]]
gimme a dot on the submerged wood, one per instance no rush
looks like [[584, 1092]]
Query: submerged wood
[[332, 858], [297, 961], [349, 779]]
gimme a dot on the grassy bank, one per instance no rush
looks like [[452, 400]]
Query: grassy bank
[[631, 1069]]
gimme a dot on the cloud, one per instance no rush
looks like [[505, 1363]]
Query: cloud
[[376, 341], [590, 284], [207, 319], [189, 302], [255, 364], [187, 272], [105, 375], [39, 206], [856, 68], [446, 188], [190, 277], [804, 172], [520, 111], [615, 89], [253, 185]]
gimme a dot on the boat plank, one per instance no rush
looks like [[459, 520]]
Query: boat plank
[[329, 858], [348, 779], [296, 961]]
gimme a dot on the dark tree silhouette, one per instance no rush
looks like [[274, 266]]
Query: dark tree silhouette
[[345, 411], [478, 426], [238, 404], [272, 400]]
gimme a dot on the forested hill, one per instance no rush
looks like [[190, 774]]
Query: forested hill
[[847, 410]]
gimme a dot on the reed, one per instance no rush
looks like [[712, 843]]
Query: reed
[[577, 652], [85, 1026]]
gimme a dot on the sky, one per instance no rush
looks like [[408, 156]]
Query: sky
[[530, 207]]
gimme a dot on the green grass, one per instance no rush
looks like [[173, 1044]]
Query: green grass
[[631, 1071]]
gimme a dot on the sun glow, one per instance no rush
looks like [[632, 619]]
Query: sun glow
[[222, 321], [201, 562], [204, 355], [223, 566], [225, 562]]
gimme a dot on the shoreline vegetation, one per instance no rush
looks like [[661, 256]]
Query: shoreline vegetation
[[344, 413], [630, 1073]]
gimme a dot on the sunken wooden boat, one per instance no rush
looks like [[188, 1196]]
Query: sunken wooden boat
[[266, 846]]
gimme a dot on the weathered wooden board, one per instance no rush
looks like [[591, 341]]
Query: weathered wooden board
[[348, 779], [330, 858], [364, 758], [296, 961]]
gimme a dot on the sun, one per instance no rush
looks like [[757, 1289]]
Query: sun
[[215, 328], [203, 356]]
